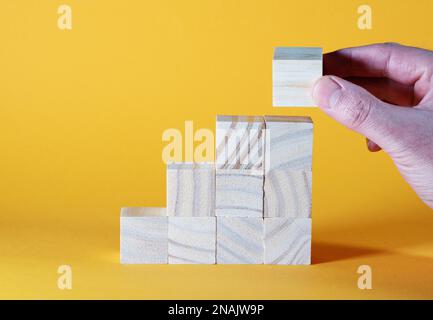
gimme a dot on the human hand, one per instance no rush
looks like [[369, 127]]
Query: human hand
[[388, 98]]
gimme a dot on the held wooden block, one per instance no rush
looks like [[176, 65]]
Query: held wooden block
[[288, 194], [191, 190], [289, 143], [287, 241], [239, 240], [240, 142], [294, 71], [239, 193], [143, 236], [191, 240]]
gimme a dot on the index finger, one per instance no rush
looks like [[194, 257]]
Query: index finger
[[403, 64]]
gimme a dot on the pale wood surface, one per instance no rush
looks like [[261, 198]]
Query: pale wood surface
[[239, 193], [240, 142], [294, 72], [288, 194], [191, 190], [289, 143], [288, 173], [287, 241], [298, 53], [143, 212], [275, 118], [143, 240], [239, 240], [191, 240]]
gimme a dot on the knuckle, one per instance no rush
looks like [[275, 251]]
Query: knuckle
[[359, 113]]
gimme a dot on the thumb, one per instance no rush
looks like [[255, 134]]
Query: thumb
[[356, 108]]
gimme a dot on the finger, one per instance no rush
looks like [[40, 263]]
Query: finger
[[399, 63], [388, 90], [372, 146], [360, 111]]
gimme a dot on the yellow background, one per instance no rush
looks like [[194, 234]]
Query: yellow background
[[81, 118]]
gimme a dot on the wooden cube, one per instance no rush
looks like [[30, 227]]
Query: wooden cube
[[191, 190], [294, 72], [287, 241], [143, 236], [191, 240], [239, 193], [289, 143], [240, 240], [240, 142], [288, 172], [288, 194]]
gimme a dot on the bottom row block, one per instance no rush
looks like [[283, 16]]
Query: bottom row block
[[148, 237], [143, 236], [191, 240], [239, 240], [269, 240], [287, 241]]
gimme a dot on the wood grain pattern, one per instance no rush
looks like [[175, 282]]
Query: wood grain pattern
[[288, 173], [240, 240], [287, 241], [240, 142], [191, 240], [288, 194], [191, 190], [289, 143], [143, 212], [294, 71], [143, 237], [239, 193]]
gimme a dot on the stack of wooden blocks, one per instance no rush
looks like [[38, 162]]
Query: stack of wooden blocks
[[253, 205]]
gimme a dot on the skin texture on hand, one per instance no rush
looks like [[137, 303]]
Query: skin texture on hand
[[385, 92]]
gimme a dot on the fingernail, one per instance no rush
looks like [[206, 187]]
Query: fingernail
[[323, 90]]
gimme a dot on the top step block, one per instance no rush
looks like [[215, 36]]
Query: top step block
[[240, 142], [289, 144], [294, 72]]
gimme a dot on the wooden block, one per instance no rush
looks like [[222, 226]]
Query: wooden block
[[240, 142], [191, 190], [294, 72], [240, 147], [143, 236], [239, 240], [191, 240], [239, 193], [287, 241], [289, 143], [143, 212], [288, 194]]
